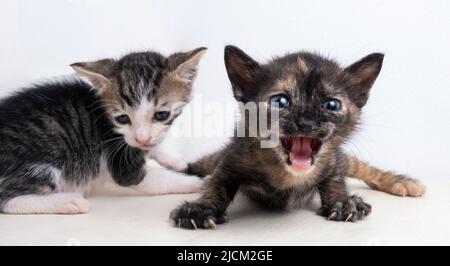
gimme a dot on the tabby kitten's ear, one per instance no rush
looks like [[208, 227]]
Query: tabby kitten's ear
[[98, 73], [244, 73], [185, 65], [362, 77]]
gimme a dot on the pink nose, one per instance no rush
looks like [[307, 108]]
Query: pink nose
[[143, 136], [144, 141]]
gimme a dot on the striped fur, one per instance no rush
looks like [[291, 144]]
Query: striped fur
[[57, 138], [386, 181]]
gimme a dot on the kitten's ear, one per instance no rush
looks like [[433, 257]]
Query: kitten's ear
[[185, 65], [362, 77], [243, 72], [98, 73]]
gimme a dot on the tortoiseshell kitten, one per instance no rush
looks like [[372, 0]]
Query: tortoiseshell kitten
[[319, 105], [60, 140]]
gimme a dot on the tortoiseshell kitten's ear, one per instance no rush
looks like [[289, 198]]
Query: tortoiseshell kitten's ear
[[185, 65], [362, 76], [244, 73], [99, 73]]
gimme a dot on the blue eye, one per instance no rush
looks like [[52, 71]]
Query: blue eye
[[123, 119], [281, 100], [332, 105], [162, 116]]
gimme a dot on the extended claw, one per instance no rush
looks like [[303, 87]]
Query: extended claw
[[179, 223], [194, 224], [349, 217], [210, 224], [332, 216]]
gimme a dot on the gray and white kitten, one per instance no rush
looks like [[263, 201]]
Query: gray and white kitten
[[60, 140]]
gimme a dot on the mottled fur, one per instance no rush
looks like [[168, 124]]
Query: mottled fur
[[265, 175], [387, 181], [57, 137]]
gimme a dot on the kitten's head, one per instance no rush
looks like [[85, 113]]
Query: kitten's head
[[143, 93], [319, 102]]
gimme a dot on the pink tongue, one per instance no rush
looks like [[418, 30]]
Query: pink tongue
[[301, 154]]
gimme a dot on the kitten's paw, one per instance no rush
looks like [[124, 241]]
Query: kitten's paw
[[351, 210], [173, 164], [191, 185], [71, 203], [406, 186], [192, 215]]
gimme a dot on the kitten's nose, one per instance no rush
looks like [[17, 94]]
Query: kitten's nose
[[306, 126], [143, 137], [144, 141]]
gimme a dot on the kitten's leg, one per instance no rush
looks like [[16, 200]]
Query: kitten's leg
[[158, 181], [337, 205], [168, 159], [388, 182], [57, 203], [35, 189], [205, 165], [211, 208], [130, 170]]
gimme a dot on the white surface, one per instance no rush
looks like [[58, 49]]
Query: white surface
[[144, 221], [405, 128]]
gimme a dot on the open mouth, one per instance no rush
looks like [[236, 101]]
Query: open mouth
[[301, 151]]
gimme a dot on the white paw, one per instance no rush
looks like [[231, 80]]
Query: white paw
[[174, 164], [71, 203], [191, 185]]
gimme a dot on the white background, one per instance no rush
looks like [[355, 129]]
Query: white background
[[406, 123]]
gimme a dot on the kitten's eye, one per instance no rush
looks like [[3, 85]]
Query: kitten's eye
[[332, 105], [123, 119], [161, 116], [281, 100]]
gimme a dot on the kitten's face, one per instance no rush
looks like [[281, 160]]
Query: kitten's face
[[143, 93], [319, 102]]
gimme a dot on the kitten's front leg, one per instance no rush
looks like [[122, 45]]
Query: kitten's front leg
[[337, 205], [211, 208], [127, 168], [134, 173], [168, 159], [159, 181]]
